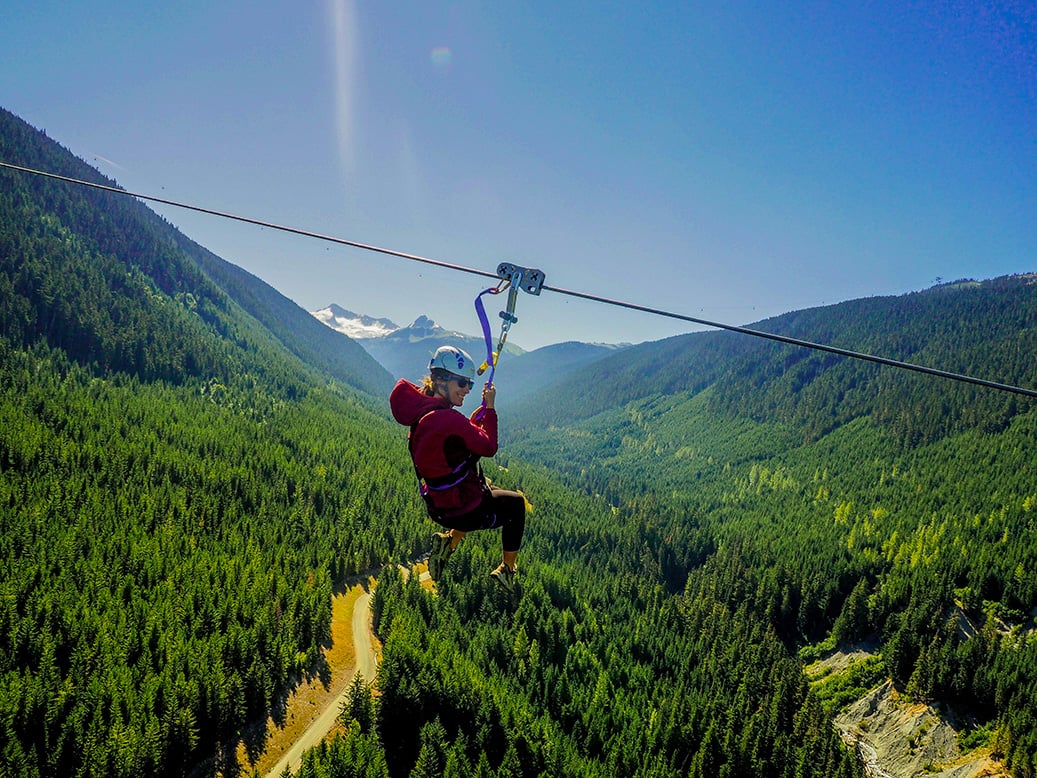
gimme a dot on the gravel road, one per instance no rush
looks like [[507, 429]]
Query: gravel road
[[366, 663]]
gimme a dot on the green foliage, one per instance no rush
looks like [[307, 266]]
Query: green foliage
[[358, 705], [813, 652], [352, 755], [594, 675], [977, 737], [837, 690], [167, 560]]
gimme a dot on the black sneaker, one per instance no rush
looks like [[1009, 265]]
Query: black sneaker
[[505, 576], [439, 555]]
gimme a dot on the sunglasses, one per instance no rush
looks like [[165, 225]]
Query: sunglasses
[[464, 383]]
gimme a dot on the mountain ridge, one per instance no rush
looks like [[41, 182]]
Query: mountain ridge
[[136, 260], [405, 351], [757, 377]]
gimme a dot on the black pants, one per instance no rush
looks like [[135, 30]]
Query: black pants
[[500, 508]]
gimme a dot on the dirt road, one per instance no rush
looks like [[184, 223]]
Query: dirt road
[[363, 638], [366, 662]]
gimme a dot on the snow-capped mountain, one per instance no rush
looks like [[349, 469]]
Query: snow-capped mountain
[[355, 325], [423, 327], [405, 351]]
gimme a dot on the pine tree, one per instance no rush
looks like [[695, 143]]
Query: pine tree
[[432, 757]]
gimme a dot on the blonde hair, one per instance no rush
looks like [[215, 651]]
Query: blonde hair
[[428, 383]]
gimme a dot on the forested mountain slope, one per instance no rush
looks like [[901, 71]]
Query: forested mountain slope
[[104, 278], [987, 330], [187, 462], [867, 502], [534, 371]]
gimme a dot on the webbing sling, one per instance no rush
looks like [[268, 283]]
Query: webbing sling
[[491, 359]]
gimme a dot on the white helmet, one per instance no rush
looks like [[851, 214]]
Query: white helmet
[[453, 360]]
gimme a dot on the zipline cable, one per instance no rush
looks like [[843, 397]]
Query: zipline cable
[[804, 343], [960, 377], [249, 220]]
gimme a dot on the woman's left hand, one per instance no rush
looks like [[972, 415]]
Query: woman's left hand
[[489, 394]]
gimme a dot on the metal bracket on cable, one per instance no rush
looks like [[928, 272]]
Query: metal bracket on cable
[[512, 278], [527, 279]]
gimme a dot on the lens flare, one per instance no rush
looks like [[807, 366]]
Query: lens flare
[[441, 57], [344, 34]]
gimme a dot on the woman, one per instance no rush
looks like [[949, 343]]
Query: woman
[[446, 447]]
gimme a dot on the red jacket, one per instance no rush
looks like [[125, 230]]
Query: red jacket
[[441, 440]]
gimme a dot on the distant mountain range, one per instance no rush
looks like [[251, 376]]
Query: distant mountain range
[[405, 351], [355, 325]]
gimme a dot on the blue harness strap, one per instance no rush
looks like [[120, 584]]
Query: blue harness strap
[[480, 309], [448, 481]]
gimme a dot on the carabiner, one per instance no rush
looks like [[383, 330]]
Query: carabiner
[[512, 278]]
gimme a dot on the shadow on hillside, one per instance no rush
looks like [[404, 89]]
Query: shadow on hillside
[[254, 739]]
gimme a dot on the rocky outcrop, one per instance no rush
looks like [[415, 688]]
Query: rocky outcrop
[[900, 739]]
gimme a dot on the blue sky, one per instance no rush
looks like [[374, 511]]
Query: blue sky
[[729, 161]]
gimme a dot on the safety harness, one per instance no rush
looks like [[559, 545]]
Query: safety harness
[[440, 483], [512, 278]]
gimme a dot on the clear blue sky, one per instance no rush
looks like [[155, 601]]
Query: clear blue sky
[[729, 161]]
